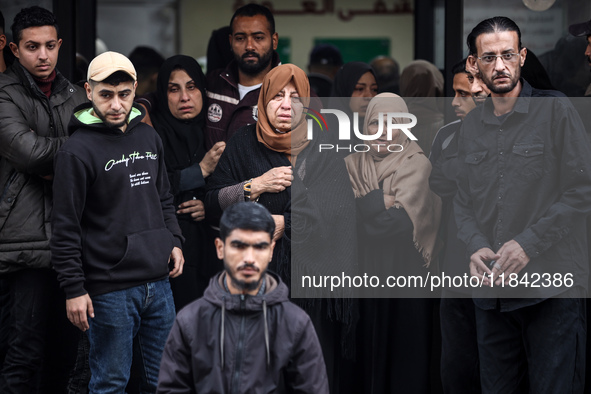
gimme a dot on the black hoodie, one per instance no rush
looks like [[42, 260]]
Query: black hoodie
[[232, 343], [114, 223]]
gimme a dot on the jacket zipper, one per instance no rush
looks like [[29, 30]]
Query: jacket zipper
[[53, 132], [239, 348]]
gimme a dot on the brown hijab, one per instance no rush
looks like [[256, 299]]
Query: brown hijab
[[405, 175], [421, 79], [295, 141]]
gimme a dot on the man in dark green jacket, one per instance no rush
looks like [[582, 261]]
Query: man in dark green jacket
[[36, 102]]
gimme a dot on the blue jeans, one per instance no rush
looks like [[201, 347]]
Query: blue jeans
[[146, 312]]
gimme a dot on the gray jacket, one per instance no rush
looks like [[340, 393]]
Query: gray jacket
[[32, 128], [225, 343]]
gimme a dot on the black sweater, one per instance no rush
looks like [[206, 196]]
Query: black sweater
[[114, 220], [318, 207]]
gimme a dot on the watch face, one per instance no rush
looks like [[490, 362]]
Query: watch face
[[539, 5]]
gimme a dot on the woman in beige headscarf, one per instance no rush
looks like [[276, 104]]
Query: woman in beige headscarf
[[398, 217]]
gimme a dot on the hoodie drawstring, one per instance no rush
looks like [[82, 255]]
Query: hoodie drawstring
[[222, 330], [266, 332]]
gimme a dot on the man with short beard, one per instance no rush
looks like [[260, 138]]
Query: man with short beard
[[243, 335], [233, 92], [478, 88], [522, 201], [116, 240]]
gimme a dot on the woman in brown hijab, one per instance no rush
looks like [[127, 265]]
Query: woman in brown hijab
[[308, 193], [258, 165], [398, 217]]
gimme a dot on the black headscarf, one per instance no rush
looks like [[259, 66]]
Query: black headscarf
[[343, 86], [347, 76], [183, 140]]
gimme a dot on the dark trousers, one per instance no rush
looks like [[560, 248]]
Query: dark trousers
[[4, 316], [41, 344], [536, 349], [394, 345], [460, 370]]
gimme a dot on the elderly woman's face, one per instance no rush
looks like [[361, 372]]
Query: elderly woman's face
[[285, 108], [364, 90], [184, 97], [380, 145]]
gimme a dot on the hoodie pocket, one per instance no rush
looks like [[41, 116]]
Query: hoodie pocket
[[146, 256]]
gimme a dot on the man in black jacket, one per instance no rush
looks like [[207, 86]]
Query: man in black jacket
[[459, 352], [244, 335], [115, 229], [36, 102]]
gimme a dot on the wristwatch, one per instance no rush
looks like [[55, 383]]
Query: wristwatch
[[247, 189]]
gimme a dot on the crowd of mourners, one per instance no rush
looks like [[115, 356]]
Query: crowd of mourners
[[154, 219]]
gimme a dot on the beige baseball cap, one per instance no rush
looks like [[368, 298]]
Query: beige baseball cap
[[105, 64]]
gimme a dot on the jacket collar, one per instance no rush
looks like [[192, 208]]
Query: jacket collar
[[27, 80], [275, 293], [521, 104]]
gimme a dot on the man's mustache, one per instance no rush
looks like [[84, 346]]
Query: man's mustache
[[249, 266], [501, 75], [251, 54]]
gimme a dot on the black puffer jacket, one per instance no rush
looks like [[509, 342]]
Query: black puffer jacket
[[225, 343], [32, 128]]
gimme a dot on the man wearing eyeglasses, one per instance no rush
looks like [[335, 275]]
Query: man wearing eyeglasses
[[520, 208]]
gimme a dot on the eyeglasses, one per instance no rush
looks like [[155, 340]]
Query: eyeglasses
[[506, 57]]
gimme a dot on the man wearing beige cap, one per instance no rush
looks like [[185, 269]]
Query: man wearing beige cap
[[116, 240]]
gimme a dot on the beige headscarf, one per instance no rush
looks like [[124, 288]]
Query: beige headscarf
[[405, 176], [296, 140]]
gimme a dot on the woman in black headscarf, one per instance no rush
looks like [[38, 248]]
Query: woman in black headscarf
[[353, 87], [355, 79], [178, 117]]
